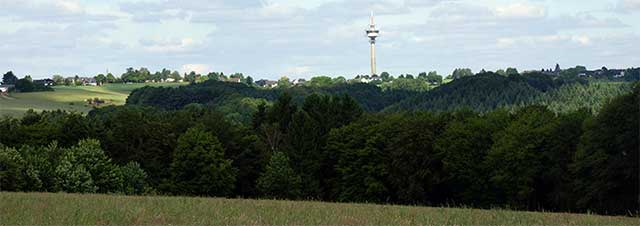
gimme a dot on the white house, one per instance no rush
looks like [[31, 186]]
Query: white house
[[6, 88], [234, 80], [619, 74], [299, 81]]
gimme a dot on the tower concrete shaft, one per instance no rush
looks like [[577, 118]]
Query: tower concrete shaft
[[372, 33], [373, 58]]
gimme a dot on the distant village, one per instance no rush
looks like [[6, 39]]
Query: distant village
[[144, 76], [584, 73]]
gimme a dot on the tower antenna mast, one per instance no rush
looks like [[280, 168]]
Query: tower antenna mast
[[372, 34]]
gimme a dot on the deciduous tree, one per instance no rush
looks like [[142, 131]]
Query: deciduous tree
[[199, 166]]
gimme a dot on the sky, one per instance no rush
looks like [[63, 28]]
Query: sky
[[300, 39]]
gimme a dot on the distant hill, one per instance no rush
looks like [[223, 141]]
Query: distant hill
[[69, 98], [370, 97], [489, 91], [482, 92]]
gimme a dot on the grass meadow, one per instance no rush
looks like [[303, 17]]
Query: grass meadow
[[77, 209], [70, 98]]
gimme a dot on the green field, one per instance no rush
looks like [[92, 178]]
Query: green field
[[71, 98], [74, 209]]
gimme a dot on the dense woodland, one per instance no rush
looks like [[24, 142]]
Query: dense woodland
[[370, 97], [486, 141], [483, 92], [488, 91]]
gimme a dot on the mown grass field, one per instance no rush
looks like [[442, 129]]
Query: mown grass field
[[70, 98], [75, 209]]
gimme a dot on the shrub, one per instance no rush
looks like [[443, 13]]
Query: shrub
[[73, 178], [86, 168], [11, 170], [134, 179], [279, 180]]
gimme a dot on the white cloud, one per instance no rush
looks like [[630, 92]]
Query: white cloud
[[51, 11], [198, 68], [278, 10], [551, 38], [298, 70], [520, 10], [423, 3], [506, 42], [543, 40], [69, 6], [629, 5], [591, 21], [268, 38], [581, 39], [169, 46]]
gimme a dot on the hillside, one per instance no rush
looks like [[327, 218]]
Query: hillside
[[592, 96], [370, 97], [490, 91], [73, 209], [70, 98], [329, 149], [481, 93]]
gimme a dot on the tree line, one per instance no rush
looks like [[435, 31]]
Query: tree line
[[483, 92], [406, 82], [489, 91], [211, 92], [328, 147], [25, 84]]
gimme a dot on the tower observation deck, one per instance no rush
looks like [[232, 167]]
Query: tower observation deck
[[372, 34]]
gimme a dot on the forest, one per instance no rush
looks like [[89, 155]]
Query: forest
[[370, 97], [483, 92], [498, 147]]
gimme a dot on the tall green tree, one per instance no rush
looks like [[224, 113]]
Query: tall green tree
[[199, 166], [385, 76], [9, 78], [110, 78], [11, 170], [282, 111], [40, 165], [463, 147], [606, 163], [101, 79], [414, 168], [433, 78], [175, 76], [555, 182], [191, 77], [279, 180], [320, 81], [516, 157], [361, 172], [155, 137], [58, 80], [164, 74], [461, 72], [134, 179], [284, 82], [25, 85], [86, 168], [339, 80]]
